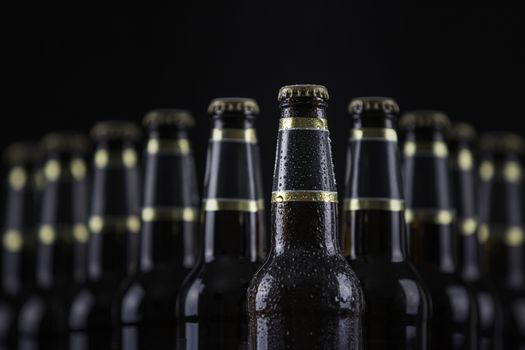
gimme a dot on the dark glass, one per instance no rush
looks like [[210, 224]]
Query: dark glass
[[18, 242], [168, 235], [397, 314], [470, 267], [211, 307], [61, 233], [501, 229], [432, 234], [113, 220], [305, 296]]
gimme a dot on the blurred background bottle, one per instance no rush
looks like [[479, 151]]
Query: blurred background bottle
[[473, 271], [113, 233], [18, 248], [61, 237], [212, 303], [169, 234], [501, 228], [432, 237]]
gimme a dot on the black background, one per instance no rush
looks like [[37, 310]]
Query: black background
[[66, 68]]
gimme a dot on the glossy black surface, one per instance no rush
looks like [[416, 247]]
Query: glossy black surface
[[211, 306], [305, 296]]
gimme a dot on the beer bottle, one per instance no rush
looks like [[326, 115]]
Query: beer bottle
[[501, 228], [113, 219], [211, 306], [18, 243], [61, 235], [168, 233], [432, 239], [397, 315], [305, 296], [470, 267]]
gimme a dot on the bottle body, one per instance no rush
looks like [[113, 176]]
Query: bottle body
[[211, 306], [397, 315], [305, 295]]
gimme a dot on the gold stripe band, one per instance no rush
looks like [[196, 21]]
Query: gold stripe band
[[468, 226], [236, 135], [13, 240], [381, 134], [438, 217], [437, 149], [188, 214], [219, 204], [303, 123], [131, 223], [128, 157], [48, 234], [175, 147], [384, 204], [513, 236], [304, 196], [510, 172]]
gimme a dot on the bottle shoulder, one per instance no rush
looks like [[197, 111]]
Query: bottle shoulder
[[321, 281]]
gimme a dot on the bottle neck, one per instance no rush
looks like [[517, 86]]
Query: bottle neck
[[18, 226], [373, 216], [501, 229], [63, 219], [304, 197], [429, 206], [233, 208], [170, 207], [114, 209], [462, 166]]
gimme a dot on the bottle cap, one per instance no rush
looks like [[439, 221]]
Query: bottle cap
[[380, 104], [424, 119], [176, 117], [501, 142], [21, 153], [65, 141], [233, 104], [461, 131], [303, 90], [115, 130]]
